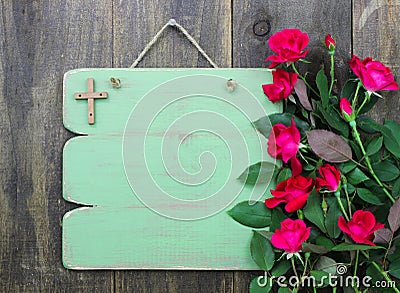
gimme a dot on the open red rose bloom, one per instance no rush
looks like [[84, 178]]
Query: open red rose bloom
[[282, 86], [373, 74], [283, 143], [291, 235], [361, 227], [293, 191], [288, 46]]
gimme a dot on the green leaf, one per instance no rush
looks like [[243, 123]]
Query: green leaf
[[374, 273], [374, 146], [331, 221], [326, 264], [277, 216], [325, 242], [260, 172], [284, 174], [335, 120], [256, 215], [349, 89], [322, 84], [368, 125], [347, 167], [386, 171], [367, 196], [262, 252], [281, 268], [357, 176], [321, 278], [286, 119], [352, 247], [263, 125], [329, 146], [394, 269], [313, 211], [309, 247], [284, 290], [396, 188], [392, 142], [260, 284]]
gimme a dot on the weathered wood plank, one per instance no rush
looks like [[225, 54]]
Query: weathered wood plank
[[135, 23], [376, 34], [39, 41], [315, 17]]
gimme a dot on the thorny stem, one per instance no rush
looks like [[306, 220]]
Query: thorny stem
[[347, 198], [383, 273], [304, 79], [356, 135], [337, 195], [359, 85], [297, 276], [355, 269], [332, 72]]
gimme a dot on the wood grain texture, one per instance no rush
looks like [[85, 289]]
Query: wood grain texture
[[39, 41], [376, 34]]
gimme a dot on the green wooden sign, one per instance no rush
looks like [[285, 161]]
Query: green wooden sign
[[156, 163]]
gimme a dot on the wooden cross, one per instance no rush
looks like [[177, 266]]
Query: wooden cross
[[90, 95]]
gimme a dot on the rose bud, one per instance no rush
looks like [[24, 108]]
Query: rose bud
[[330, 178], [347, 110], [293, 192], [361, 227], [291, 235], [373, 74], [330, 43], [282, 86]]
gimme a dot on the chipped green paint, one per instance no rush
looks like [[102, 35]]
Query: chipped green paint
[[151, 139]]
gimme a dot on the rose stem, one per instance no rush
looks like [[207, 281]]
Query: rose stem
[[337, 195], [297, 276], [305, 81], [332, 53], [384, 274], [359, 85], [355, 269], [356, 135], [347, 196]]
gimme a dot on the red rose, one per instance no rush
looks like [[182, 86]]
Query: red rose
[[288, 45], [291, 235], [373, 74], [330, 178], [282, 87], [293, 191], [361, 227], [347, 110], [283, 143], [330, 43]]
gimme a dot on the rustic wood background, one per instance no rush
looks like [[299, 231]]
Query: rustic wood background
[[40, 40]]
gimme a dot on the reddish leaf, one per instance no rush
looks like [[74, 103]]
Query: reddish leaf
[[329, 146], [394, 216], [301, 91], [383, 236]]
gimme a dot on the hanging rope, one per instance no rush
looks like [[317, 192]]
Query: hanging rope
[[172, 23]]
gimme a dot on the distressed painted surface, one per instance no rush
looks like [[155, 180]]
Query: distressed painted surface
[[150, 140]]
